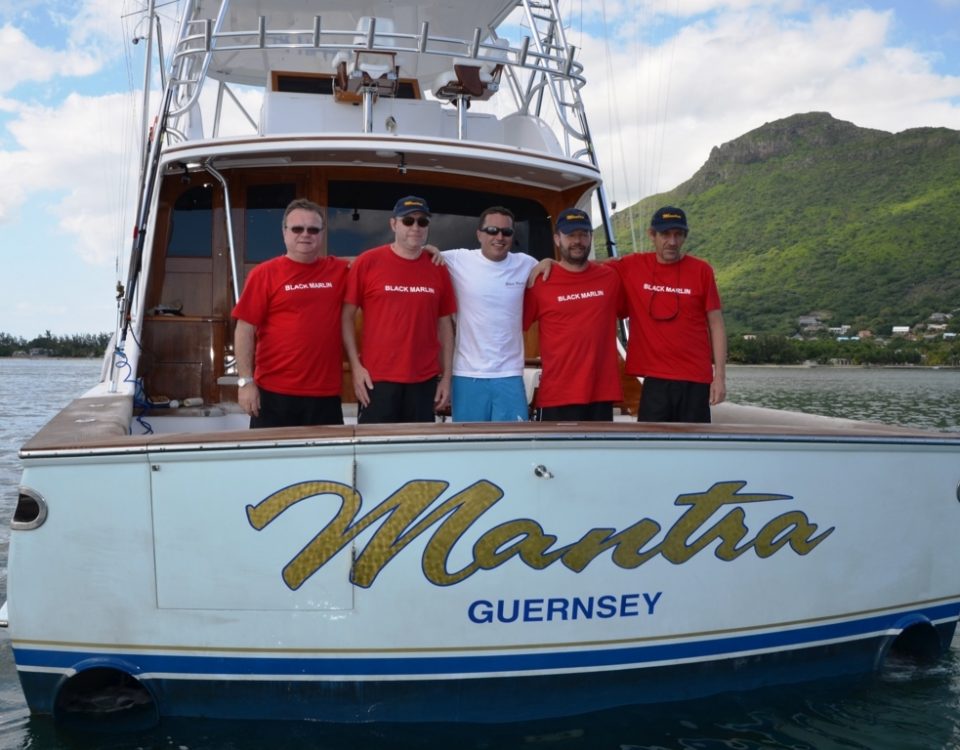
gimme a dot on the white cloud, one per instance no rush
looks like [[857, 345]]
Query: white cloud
[[722, 76], [688, 8], [82, 150], [22, 61], [90, 34], [75, 152], [98, 21]]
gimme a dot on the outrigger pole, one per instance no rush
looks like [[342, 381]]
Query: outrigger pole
[[150, 159]]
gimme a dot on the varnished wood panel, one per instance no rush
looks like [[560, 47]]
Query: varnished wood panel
[[182, 357]]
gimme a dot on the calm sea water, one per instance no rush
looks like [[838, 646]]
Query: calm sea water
[[915, 397], [903, 707]]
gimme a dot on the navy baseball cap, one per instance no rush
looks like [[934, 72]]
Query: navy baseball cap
[[411, 205], [669, 217], [572, 219]]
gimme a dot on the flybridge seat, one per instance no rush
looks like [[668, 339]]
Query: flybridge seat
[[287, 113], [365, 68], [473, 78]]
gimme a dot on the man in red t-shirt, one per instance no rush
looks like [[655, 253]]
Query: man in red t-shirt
[[577, 309], [678, 342], [403, 372], [288, 322]]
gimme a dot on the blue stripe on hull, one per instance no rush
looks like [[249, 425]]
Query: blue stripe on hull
[[439, 665], [251, 687], [492, 700]]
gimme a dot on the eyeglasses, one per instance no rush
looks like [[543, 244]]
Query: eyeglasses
[[494, 231], [309, 230], [421, 221]]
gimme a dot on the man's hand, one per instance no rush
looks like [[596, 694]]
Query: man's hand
[[436, 255], [362, 384], [718, 391], [442, 399], [543, 269], [249, 399]]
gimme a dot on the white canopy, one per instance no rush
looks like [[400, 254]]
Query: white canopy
[[450, 19]]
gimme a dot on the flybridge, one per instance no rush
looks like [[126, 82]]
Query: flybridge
[[418, 51]]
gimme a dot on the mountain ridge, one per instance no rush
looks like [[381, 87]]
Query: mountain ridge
[[811, 213]]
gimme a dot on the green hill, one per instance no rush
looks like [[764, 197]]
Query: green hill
[[814, 215]]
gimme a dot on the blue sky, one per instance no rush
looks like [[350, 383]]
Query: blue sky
[[668, 81]]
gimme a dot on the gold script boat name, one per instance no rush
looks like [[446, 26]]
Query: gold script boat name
[[715, 517]]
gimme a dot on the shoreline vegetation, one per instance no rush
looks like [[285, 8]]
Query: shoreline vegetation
[[893, 351], [79, 345], [758, 350]]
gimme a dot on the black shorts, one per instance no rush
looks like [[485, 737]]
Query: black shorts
[[597, 411], [281, 410], [674, 401], [400, 402]]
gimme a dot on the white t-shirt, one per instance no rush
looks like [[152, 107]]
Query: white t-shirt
[[489, 312]]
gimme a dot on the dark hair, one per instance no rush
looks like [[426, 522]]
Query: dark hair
[[306, 205], [494, 210]]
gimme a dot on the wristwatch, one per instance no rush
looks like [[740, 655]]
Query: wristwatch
[[243, 381]]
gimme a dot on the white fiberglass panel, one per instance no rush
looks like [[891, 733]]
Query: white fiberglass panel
[[497, 543], [210, 552]]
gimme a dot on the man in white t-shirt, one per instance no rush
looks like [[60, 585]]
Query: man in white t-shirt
[[488, 358]]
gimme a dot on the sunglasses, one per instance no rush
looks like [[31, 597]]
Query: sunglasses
[[494, 231], [421, 221], [309, 230]]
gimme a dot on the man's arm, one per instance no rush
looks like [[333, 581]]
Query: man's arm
[[244, 342], [718, 345], [435, 255], [362, 384], [446, 335], [543, 269]]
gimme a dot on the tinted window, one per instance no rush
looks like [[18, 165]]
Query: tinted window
[[359, 213], [264, 220], [191, 226]]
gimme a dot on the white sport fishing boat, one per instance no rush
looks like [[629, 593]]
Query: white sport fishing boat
[[171, 559]]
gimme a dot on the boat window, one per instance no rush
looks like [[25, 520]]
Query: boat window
[[264, 220], [304, 83], [359, 213], [191, 230]]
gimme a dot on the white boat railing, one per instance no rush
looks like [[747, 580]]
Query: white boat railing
[[543, 66], [538, 64]]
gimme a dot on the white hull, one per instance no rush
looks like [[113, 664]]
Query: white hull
[[374, 567]]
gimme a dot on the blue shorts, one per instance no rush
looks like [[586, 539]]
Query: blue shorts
[[489, 399]]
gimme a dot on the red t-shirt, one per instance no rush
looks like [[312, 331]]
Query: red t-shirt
[[668, 305], [578, 314], [295, 308], [402, 301]]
